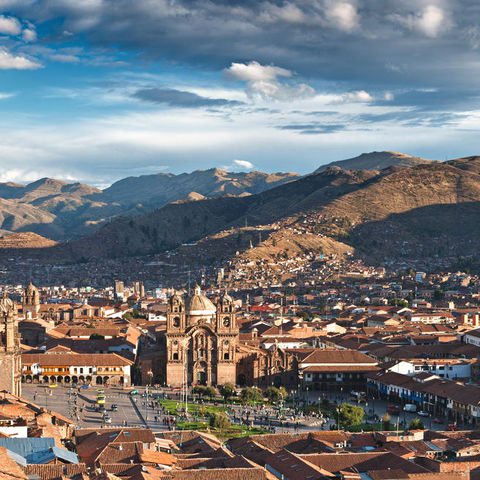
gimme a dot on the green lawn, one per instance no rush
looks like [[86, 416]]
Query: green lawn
[[234, 431], [175, 407]]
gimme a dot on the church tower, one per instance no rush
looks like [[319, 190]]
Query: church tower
[[175, 340], [31, 301], [227, 335], [10, 354]]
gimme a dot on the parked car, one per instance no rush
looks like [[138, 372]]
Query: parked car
[[410, 407], [423, 413], [134, 392], [393, 409], [114, 407], [107, 418]]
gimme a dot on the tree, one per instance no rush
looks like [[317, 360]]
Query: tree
[[96, 336], [200, 390], [386, 420], [220, 421], [416, 424], [251, 395], [210, 391], [227, 391], [276, 394], [438, 294], [350, 414]]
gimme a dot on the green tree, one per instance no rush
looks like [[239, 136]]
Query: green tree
[[276, 394], [438, 294], [220, 421], [251, 395], [416, 424], [210, 391], [227, 391], [96, 336], [199, 390], [350, 414]]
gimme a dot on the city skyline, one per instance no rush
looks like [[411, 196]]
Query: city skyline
[[103, 90]]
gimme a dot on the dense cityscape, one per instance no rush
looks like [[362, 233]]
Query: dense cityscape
[[239, 240]]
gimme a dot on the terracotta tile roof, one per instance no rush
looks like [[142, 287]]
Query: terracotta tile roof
[[363, 462], [345, 368], [75, 359], [150, 456], [9, 467], [221, 474], [131, 434], [294, 467], [54, 472], [326, 356]]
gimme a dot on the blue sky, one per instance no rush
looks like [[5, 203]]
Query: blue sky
[[96, 90]]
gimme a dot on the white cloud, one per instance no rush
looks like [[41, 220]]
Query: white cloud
[[431, 20], [29, 34], [263, 81], [388, 96], [9, 25], [360, 96], [343, 15], [243, 163], [64, 58], [9, 61], [4, 95]]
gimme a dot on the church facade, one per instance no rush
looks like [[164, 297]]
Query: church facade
[[201, 340], [10, 354]]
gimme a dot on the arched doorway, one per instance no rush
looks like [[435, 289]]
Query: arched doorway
[[66, 379], [241, 380], [45, 379], [81, 379], [98, 380], [28, 379], [53, 379], [105, 380], [89, 379], [59, 379], [36, 378]]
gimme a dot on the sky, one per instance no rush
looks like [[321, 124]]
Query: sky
[[97, 90]]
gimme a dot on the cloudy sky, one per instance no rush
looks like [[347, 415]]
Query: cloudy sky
[[96, 90]]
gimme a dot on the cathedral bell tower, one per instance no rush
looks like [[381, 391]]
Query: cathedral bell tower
[[31, 301], [10, 355], [227, 335]]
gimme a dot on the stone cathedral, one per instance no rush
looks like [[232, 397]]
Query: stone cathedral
[[10, 355], [201, 340]]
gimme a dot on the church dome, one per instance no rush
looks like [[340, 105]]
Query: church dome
[[199, 304], [6, 303]]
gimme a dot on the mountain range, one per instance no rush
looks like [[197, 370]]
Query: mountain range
[[428, 209], [413, 208], [61, 211]]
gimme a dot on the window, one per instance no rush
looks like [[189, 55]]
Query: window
[[81, 370], [201, 352], [226, 356], [175, 356]]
